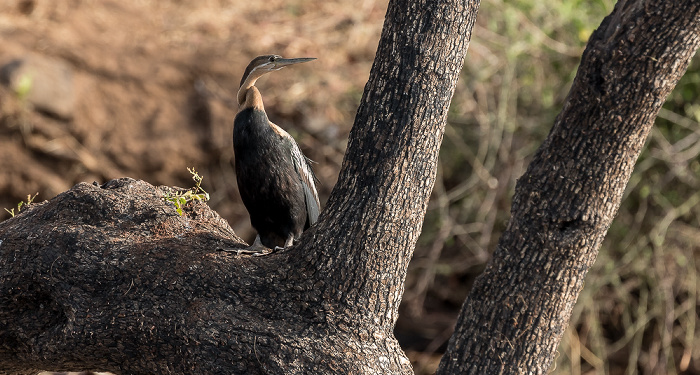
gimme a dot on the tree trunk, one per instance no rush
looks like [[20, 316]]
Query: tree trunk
[[514, 318], [112, 278]]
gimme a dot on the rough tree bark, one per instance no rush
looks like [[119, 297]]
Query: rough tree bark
[[514, 318], [111, 278]]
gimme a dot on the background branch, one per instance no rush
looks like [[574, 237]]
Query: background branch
[[519, 308]]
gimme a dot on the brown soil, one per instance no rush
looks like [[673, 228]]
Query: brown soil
[[155, 86]]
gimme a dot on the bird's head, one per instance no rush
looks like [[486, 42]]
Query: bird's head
[[268, 63]]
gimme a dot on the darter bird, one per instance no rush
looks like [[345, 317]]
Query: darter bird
[[275, 179]]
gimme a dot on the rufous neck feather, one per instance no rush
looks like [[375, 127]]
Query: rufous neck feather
[[250, 98], [248, 95]]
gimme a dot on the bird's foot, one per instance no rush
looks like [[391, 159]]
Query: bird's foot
[[288, 243], [256, 249], [246, 251]]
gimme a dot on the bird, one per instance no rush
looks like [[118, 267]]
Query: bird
[[275, 180]]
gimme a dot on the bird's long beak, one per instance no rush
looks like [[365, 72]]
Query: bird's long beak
[[281, 63]]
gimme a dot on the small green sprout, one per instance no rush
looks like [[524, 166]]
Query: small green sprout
[[24, 86], [179, 200], [21, 204]]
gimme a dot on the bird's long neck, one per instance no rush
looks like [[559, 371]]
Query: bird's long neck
[[248, 94], [250, 98]]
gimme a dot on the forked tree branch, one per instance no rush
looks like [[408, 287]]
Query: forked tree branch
[[112, 278]]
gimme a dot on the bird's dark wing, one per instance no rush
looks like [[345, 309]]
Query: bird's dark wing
[[306, 174]]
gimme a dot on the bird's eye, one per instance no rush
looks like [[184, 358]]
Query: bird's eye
[[272, 58]]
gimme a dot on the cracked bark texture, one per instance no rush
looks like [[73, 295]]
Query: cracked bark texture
[[111, 278], [514, 317]]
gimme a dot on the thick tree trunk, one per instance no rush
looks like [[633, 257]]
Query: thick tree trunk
[[111, 278], [514, 318]]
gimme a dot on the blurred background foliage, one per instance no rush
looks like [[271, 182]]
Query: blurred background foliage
[[167, 72], [638, 311]]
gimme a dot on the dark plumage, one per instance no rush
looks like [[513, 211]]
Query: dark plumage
[[274, 178]]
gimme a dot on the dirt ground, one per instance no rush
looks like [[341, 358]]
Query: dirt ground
[[155, 83], [151, 88]]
